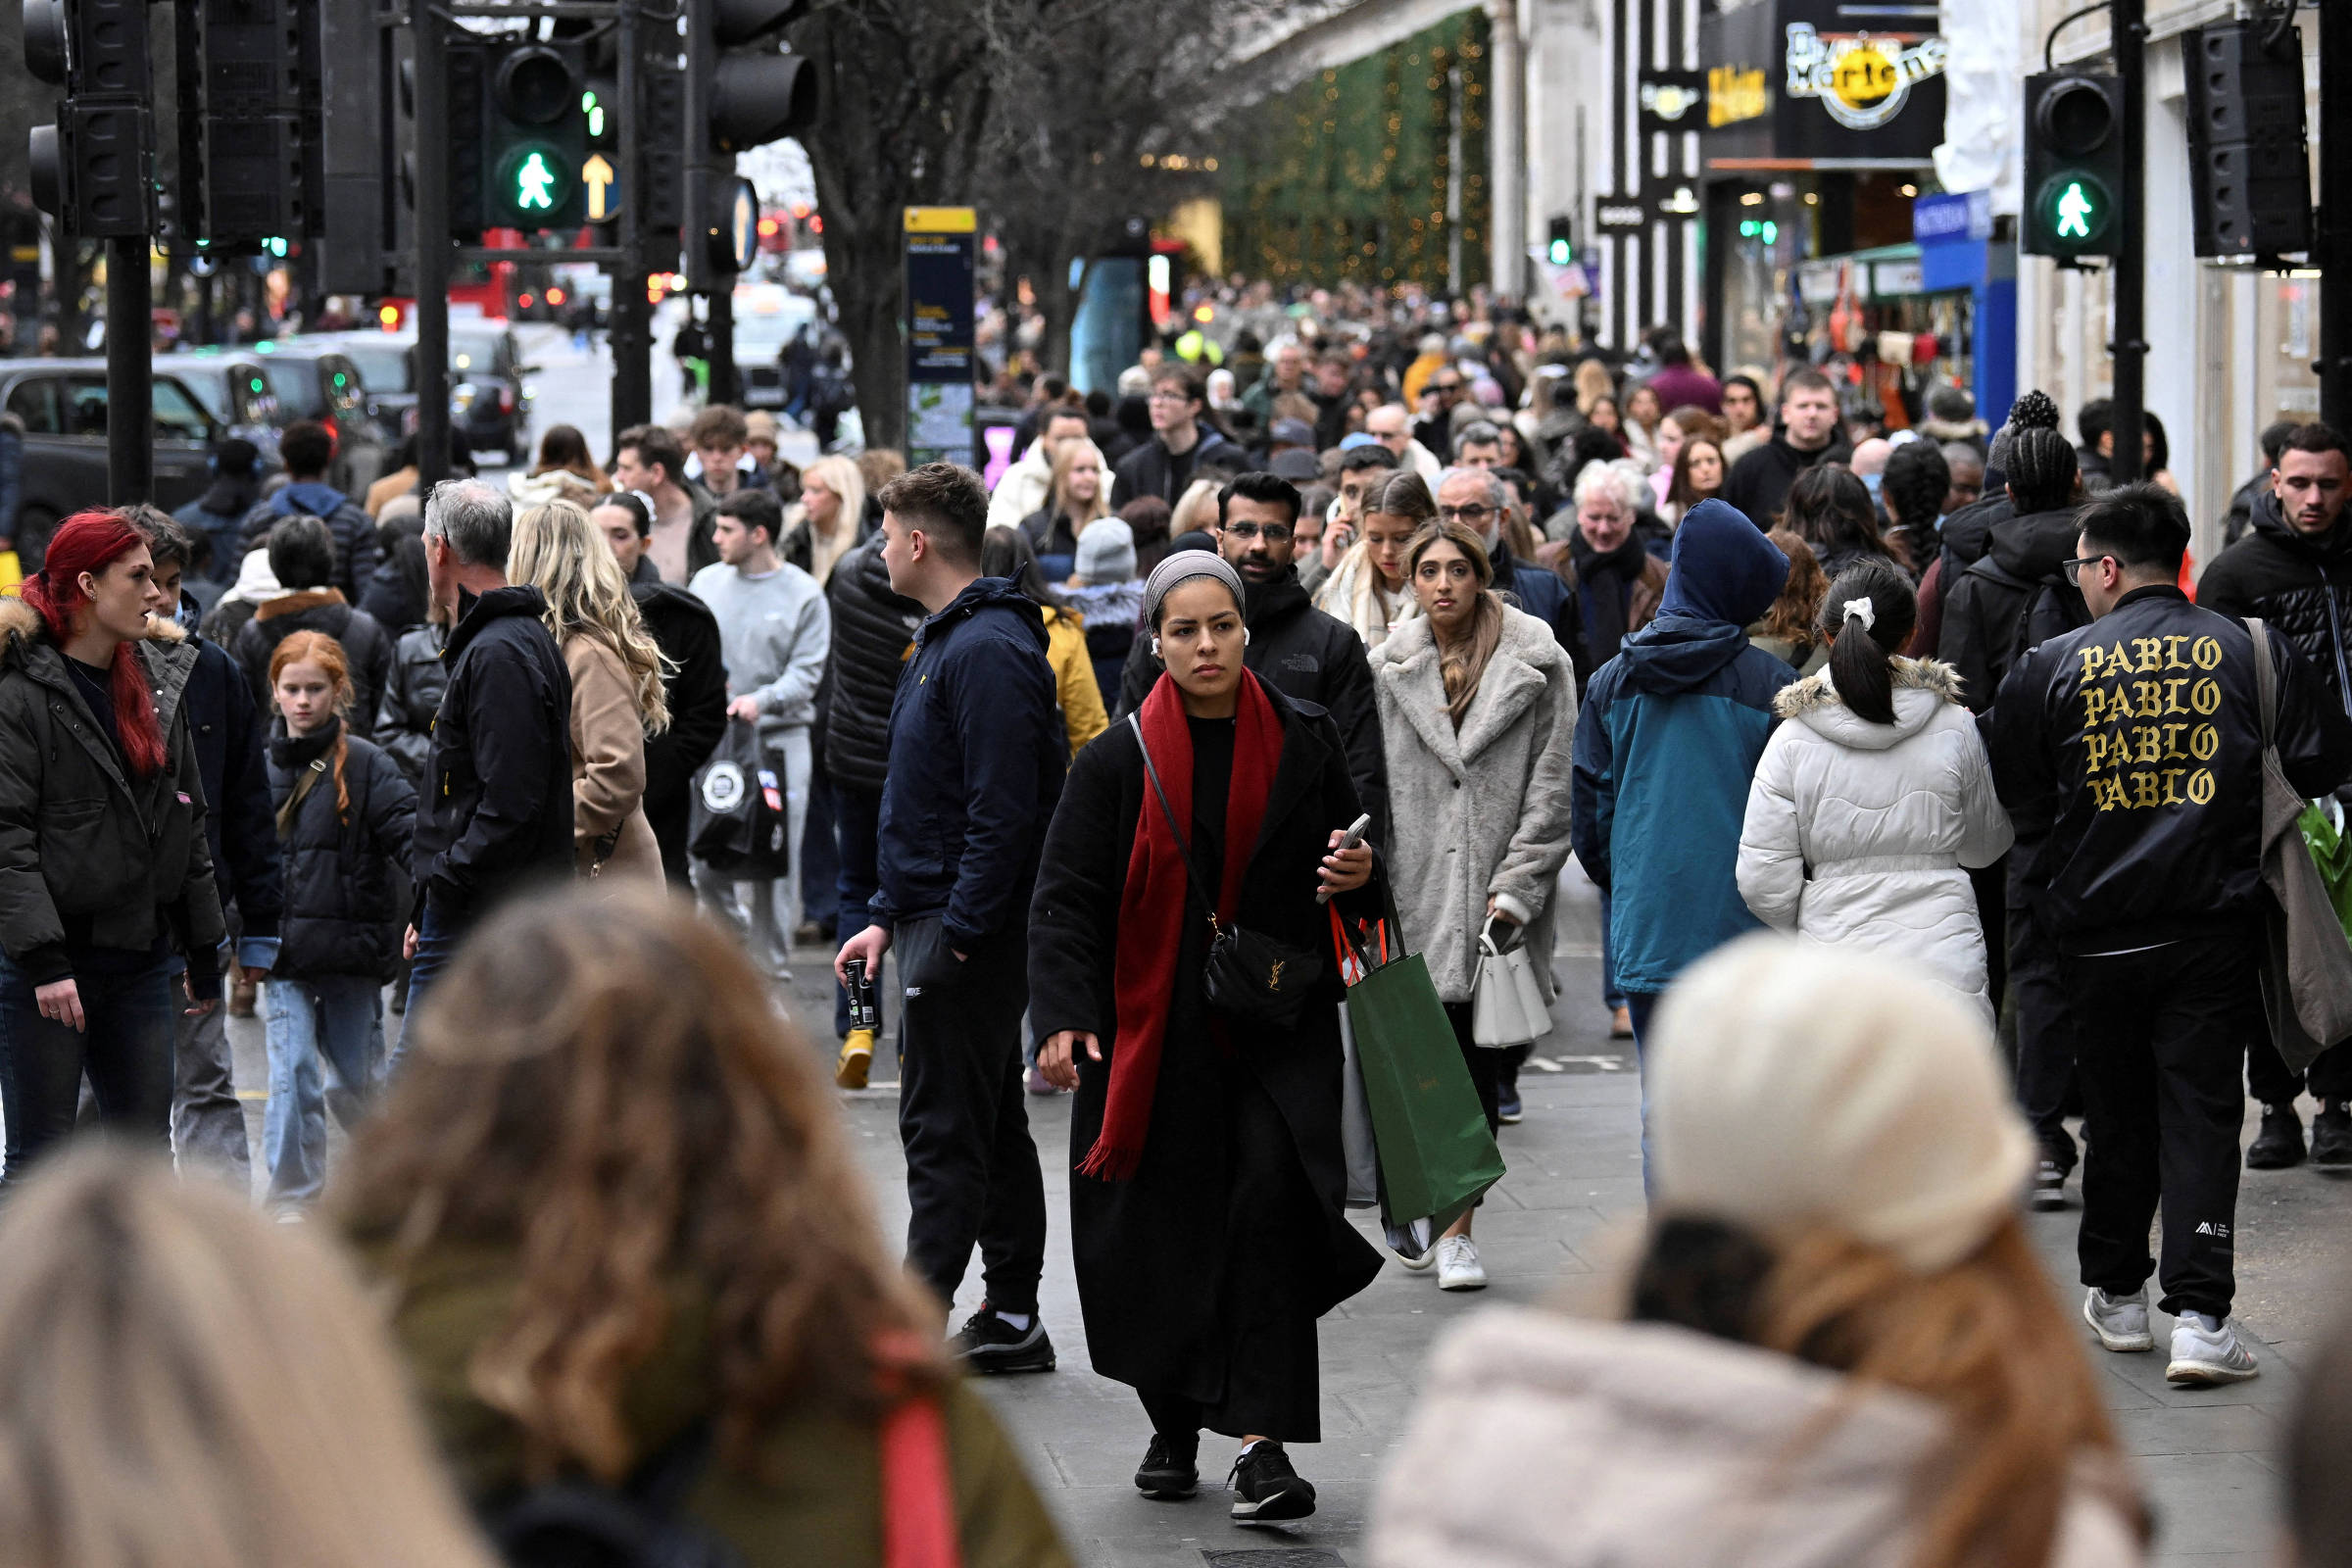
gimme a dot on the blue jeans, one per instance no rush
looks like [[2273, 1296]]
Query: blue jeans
[[1642, 1004], [126, 1051], [436, 948], [857, 832], [337, 1019]]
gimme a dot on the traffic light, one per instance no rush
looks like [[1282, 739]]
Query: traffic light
[[518, 135], [2249, 160], [242, 168], [1561, 250], [94, 169], [2074, 166], [741, 92]]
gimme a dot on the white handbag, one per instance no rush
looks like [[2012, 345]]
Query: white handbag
[[1507, 1005]]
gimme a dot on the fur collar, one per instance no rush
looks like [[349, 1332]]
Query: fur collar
[[1816, 692], [298, 601]]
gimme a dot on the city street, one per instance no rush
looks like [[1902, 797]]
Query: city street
[[2207, 1458]]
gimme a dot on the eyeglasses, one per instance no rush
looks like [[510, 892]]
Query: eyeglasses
[[2073, 567], [1445, 386], [1273, 533], [1473, 514], [1170, 397]]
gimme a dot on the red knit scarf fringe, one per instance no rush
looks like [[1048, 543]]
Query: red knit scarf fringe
[[1156, 903]]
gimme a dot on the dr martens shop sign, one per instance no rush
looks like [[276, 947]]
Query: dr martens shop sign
[[1853, 81]]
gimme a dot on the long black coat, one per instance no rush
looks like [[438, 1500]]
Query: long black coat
[[1150, 1252]]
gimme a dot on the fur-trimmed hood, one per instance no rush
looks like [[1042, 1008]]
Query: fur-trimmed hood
[[1922, 686]]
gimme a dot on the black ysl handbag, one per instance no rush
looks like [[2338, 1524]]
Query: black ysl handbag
[[1249, 976]]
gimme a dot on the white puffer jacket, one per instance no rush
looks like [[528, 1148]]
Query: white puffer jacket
[[1857, 833], [1548, 1441]]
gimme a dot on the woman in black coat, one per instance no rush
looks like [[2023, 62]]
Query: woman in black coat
[[1207, 1179]]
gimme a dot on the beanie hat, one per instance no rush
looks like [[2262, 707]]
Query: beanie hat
[[1181, 566], [1799, 1084], [1106, 551]]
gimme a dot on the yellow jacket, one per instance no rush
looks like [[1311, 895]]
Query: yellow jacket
[[1082, 712]]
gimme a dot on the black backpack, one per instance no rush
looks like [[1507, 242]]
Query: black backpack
[[577, 1523]]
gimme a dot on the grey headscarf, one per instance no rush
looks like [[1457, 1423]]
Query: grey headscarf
[[1182, 568]]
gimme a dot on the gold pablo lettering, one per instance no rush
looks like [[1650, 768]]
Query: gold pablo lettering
[[2141, 697]]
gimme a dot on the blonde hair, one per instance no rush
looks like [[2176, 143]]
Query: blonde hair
[[182, 1382], [605, 1091], [845, 479], [1065, 458], [558, 550], [1593, 383], [1196, 509]]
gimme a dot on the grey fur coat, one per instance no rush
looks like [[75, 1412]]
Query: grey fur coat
[[1482, 812]]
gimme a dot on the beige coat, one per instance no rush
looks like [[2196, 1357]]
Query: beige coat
[[1480, 812], [608, 764], [1548, 1441]]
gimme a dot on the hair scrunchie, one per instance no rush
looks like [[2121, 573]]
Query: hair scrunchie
[[1863, 610]]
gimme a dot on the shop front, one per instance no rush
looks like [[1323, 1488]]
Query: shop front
[[1822, 119]]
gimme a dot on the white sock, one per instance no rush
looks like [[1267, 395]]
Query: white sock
[[2203, 1320], [1247, 1447], [1018, 1321]]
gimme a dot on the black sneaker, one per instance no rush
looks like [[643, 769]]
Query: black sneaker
[[987, 1344], [2049, 1184], [2280, 1144], [2332, 1134], [1163, 1475], [1266, 1489]]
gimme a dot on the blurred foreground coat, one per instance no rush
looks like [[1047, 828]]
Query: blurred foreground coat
[[1686, 1452]]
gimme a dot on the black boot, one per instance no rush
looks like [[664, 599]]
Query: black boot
[[2332, 1134], [2280, 1144]]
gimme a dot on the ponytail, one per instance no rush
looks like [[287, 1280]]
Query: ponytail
[[1870, 611]]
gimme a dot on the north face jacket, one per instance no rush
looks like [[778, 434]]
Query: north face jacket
[[2129, 755], [1666, 742]]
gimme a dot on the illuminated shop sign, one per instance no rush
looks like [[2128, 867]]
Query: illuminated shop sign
[[1863, 79]]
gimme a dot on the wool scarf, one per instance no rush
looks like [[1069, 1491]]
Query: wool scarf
[[1157, 900]]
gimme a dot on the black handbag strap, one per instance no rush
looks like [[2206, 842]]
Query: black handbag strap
[[1184, 848], [2266, 682]]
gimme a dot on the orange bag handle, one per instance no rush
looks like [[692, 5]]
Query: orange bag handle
[[918, 1490]]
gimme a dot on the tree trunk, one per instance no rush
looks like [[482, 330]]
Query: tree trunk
[[865, 263], [1057, 304]]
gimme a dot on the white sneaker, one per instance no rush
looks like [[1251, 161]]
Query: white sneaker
[[1458, 1267], [1419, 1265], [2120, 1321], [2207, 1352]]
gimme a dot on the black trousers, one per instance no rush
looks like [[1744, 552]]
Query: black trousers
[[1263, 1310], [973, 1177], [2047, 1036], [2269, 1080], [2161, 1035]]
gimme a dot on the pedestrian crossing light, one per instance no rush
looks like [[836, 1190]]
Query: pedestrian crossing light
[[534, 184], [2072, 165], [1562, 248]]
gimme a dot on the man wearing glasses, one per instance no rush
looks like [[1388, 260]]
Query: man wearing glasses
[[1475, 499], [2130, 755], [1292, 645], [1434, 428], [1180, 444]]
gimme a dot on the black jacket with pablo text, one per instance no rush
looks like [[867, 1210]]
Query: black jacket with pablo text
[[2129, 753]]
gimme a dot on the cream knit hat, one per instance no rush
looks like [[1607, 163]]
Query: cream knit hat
[[1796, 1084]]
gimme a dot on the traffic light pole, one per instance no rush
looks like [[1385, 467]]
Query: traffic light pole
[[432, 248], [129, 373], [2129, 38], [718, 323], [632, 327], [2333, 248]]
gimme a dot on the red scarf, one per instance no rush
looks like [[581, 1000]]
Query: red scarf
[[1156, 901]]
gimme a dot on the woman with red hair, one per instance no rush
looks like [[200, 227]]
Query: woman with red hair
[[103, 865]]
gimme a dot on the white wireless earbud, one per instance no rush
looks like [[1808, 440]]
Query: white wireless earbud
[[1155, 648], [1244, 636]]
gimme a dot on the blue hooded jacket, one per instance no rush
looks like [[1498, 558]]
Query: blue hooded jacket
[[1666, 745], [977, 753]]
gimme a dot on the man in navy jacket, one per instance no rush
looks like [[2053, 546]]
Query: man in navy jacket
[[978, 752]]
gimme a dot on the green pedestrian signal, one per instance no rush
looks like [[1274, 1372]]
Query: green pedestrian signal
[[535, 182], [1562, 253], [2075, 209], [2074, 166], [2074, 213]]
